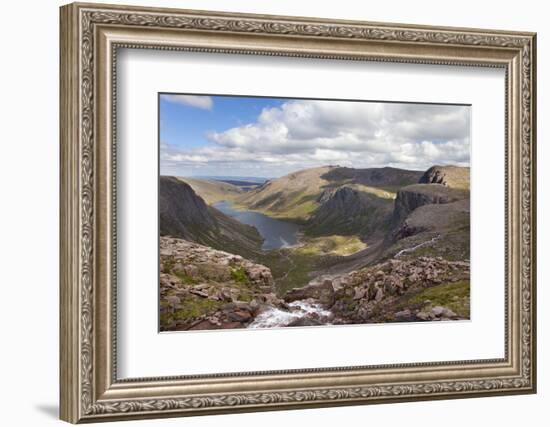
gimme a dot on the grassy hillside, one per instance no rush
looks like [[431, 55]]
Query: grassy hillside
[[299, 195], [292, 196], [213, 191]]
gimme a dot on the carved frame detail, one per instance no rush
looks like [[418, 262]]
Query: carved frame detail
[[81, 400]]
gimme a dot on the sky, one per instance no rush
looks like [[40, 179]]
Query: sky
[[203, 135]]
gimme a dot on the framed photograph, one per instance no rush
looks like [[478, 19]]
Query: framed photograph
[[266, 212]]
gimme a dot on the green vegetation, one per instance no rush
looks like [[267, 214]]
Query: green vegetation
[[167, 264], [292, 268], [376, 191], [297, 207], [331, 245], [185, 278], [301, 211], [296, 269], [243, 284], [213, 191], [292, 197], [239, 276], [192, 307], [455, 296]]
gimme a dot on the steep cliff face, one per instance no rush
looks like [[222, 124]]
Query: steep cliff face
[[346, 210], [414, 196], [449, 176], [182, 212], [185, 215], [297, 196]]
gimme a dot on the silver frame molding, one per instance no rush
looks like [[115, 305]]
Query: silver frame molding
[[90, 37]]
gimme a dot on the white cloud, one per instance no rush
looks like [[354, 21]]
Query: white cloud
[[302, 133], [202, 102]]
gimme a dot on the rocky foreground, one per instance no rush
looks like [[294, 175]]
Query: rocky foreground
[[202, 288], [417, 289]]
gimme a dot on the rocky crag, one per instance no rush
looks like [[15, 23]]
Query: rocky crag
[[347, 210], [450, 176], [202, 288], [417, 289]]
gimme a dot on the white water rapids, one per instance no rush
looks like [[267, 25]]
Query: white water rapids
[[275, 317]]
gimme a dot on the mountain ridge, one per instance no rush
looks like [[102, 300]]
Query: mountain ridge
[[376, 245], [186, 215]]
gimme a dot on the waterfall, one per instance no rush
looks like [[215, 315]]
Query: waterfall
[[276, 317]]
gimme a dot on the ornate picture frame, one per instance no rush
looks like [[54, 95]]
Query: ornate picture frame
[[90, 37]]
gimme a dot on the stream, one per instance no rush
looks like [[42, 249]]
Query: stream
[[298, 310], [278, 234]]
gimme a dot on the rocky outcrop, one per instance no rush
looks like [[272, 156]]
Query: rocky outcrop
[[346, 210], [449, 176], [436, 218], [414, 196], [321, 291], [386, 292], [203, 288]]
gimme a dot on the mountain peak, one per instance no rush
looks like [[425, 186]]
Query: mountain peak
[[449, 176]]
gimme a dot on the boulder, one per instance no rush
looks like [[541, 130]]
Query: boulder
[[203, 325], [404, 315], [360, 293], [260, 275], [443, 312], [379, 294], [422, 315], [239, 316], [199, 293], [323, 293], [438, 311]]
